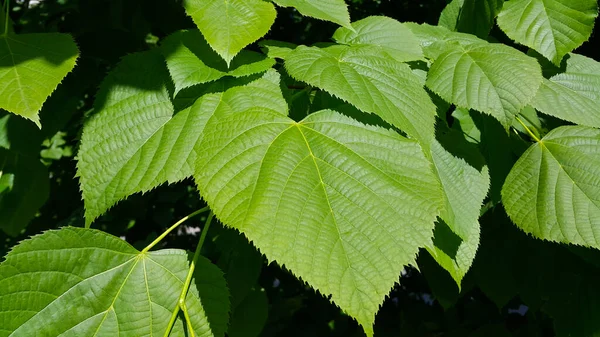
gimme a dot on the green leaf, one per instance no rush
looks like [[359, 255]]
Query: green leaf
[[83, 282], [231, 25], [31, 68], [490, 78], [553, 191], [433, 39], [191, 61], [276, 49], [477, 16], [329, 10], [372, 81], [573, 95], [551, 27], [25, 188], [134, 143], [342, 205], [464, 188], [388, 34], [449, 16]]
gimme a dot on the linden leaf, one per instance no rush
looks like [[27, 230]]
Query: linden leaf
[[31, 67]]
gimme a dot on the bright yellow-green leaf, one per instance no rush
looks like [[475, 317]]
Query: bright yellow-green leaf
[[31, 67], [343, 205], [553, 191], [551, 27], [230, 25], [329, 10]]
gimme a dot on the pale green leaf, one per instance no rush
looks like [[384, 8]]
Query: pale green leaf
[[464, 188], [573, 95], [83, 282], [342, 205], [191, 61], [329, 10], [551, 27], [231, 25], [31, 67], [383, 32], [25, 186], [372, 81], [134, 143], [553, 191], [490, 78]]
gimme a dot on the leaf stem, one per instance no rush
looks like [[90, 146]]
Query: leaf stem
[[188, 280], [6, 4], [170, 229], [528, 130]]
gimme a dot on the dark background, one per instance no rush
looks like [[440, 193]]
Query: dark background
[[518, 286]]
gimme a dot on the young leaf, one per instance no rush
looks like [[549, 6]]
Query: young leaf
[[329, 10], [31, 68], [344, 206], [191, 61], [553, 191], [464, 189], [383, 32], [490, 78], [24, 188], [573, 95], [83, 282], [231, 25], [372, 81], [551, 27]]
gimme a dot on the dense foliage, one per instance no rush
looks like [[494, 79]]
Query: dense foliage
[[363, 173]]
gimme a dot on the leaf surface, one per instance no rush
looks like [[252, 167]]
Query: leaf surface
[[551, 27], [83, 282], [329, 10], [231, 25], [490, 78], [383, 32], [573, 95], [464, 189], [344, 206], [191, 61], [372, 81], [134, 143], [31, 67], [553, 191]]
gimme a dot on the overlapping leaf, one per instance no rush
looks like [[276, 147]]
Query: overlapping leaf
[[433, 39], [553, 191], [134, 143], [490, 78], [464, 189], [372, 81], [382, 32], [83, 282], [573, 95], [552, 27], [329, 10], [344, 206], [471, 16], [191, 61], [230, 25], [31, 67]]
